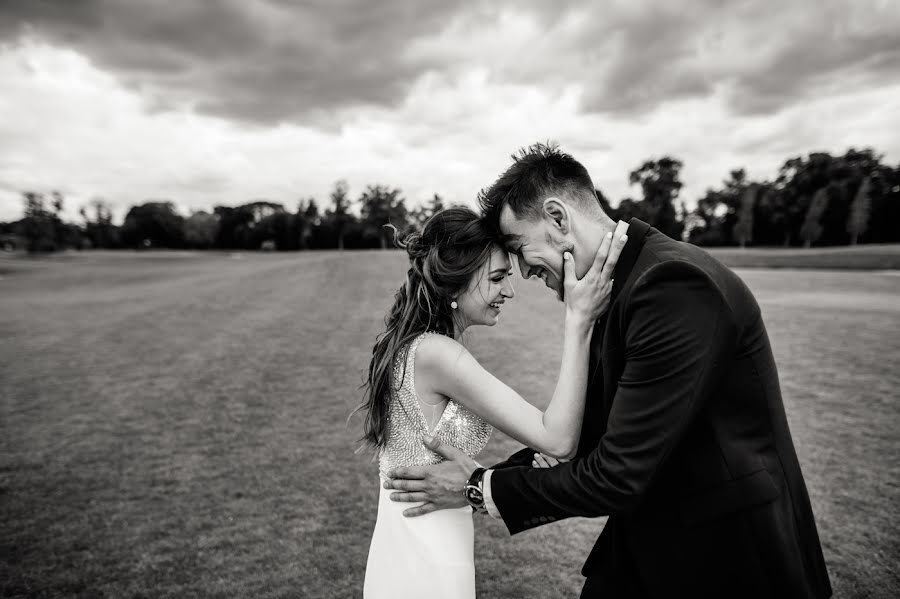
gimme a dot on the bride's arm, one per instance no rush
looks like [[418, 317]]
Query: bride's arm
[[448, 369], [452, 371]]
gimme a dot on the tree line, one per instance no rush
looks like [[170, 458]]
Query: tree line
[[819, 200]]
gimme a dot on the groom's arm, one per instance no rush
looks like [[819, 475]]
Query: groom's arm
[[678, 328], [523, 457]]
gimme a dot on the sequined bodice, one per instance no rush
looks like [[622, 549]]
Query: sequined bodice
[[457, 426]]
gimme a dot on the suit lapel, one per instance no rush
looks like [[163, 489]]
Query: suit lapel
[[637, 231]]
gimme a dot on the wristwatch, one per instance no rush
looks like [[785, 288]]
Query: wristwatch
[[474, 492]]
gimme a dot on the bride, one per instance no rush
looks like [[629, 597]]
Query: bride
[[423, 382]]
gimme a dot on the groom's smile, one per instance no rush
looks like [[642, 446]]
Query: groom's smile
[[535, 252]]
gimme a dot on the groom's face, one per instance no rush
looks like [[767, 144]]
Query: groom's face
[[538, 246]]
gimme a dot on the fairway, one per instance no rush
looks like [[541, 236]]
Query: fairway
[[173, 424]]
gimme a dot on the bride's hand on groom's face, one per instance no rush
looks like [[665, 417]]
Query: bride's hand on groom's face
[[439, 486], [587, 298]]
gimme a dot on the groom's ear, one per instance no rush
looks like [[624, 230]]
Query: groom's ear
[[556, 211]]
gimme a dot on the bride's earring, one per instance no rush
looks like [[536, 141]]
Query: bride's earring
[[454, 305]]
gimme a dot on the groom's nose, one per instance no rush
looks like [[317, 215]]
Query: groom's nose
[[524, 269]]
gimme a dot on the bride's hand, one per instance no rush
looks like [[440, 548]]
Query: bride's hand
[[588, 298]]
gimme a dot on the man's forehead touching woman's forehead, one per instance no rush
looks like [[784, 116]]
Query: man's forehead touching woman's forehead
[[512, 243]]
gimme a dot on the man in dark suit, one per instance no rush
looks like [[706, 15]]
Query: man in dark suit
[[685, 444]]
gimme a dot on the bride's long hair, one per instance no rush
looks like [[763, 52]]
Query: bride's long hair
[[443, 257]]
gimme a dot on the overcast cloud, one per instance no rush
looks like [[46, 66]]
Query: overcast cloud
[[213, 103]]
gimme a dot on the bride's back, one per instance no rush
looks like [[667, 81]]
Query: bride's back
[[407, 422]]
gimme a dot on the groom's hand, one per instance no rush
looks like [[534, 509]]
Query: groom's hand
[[439, 486]]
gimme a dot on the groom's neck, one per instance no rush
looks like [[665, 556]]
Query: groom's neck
[[594, 230]]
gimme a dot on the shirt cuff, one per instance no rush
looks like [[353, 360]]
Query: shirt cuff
[[488, 498]]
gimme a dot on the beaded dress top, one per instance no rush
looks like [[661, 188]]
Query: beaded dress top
[[406, 423]]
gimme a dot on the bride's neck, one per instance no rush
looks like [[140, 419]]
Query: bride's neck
[[459, 327]]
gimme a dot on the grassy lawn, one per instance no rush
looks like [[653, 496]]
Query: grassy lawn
[[174, 424], [862, 257]]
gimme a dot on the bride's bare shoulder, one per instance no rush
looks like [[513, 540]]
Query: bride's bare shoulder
[[438, 352]]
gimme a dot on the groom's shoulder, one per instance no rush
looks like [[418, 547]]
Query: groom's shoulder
[[663, 260], [662, 255], [665, 265]]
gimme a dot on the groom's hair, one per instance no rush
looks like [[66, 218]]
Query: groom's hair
[[538, 172]]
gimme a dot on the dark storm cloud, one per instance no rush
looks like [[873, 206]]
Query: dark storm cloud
[[803, 70], [765, 58], [262, 61], [278, 60]]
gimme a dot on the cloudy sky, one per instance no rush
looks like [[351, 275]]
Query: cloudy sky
[[222, 102]]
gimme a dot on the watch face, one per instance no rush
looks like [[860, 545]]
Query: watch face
[[474, 496]]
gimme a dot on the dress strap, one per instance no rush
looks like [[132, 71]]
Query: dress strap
[[428, 421]]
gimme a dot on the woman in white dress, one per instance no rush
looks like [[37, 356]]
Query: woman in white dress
[[422, 381]]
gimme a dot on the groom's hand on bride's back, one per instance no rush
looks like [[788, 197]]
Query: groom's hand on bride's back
[[439, 486]]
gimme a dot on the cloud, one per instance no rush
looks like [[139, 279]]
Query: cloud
[[207, 107], [276, 61], [265, 61]]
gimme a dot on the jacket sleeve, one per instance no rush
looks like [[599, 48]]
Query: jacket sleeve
[[677, 326], [523, 457]]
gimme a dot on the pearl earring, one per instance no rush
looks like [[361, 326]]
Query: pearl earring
[[454, 305]]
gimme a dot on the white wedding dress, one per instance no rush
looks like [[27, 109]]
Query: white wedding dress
[[430, 556]]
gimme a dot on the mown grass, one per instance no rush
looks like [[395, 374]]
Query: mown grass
[[173, 424], [861, 257]]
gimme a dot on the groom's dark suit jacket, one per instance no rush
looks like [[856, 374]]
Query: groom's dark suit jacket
[[685, 444]]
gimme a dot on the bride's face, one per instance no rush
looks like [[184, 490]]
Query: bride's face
[[490, 287]]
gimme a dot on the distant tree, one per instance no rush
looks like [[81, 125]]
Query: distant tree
[[380, 206], [860, 209], [200, 230], [308, 221], [43, 228], [771, 223], [800, 178], [239, 226], [629, 208], [283, 230], [743, 229], [267, 221], [339, 215], [39, 227], [310, 210], [153, 224], [98, 225], [718, 210], [660, 183], [420, 215], [884, 222], [231, 220], [812, 226]]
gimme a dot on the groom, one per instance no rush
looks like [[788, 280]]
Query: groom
[[685, 444]]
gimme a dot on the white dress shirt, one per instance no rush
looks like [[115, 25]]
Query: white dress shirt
[[489, 504]]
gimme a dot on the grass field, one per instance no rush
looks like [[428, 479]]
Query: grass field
[[861, 257], [173, 424]]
